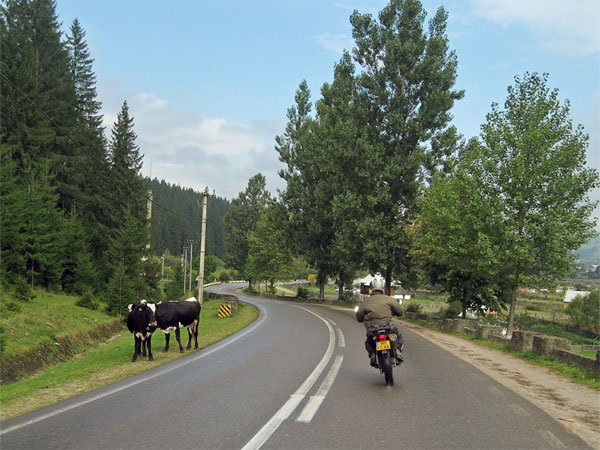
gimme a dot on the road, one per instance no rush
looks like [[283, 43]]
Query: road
[[298, 377]]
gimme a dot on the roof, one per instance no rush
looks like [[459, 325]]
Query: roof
[[571, 294]]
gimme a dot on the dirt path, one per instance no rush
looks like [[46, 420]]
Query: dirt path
[[575, 406]]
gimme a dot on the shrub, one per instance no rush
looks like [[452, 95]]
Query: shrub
[[414, 307], [224, 277], [302, 292], [23, 289], [88, 301], [585, 311], [451, 311]]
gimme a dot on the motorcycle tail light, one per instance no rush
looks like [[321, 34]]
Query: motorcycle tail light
[[382, 337]]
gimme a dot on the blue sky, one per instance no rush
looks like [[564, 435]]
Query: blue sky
[[209, 82]]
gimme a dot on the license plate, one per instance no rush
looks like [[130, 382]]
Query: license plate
[[383, 345]]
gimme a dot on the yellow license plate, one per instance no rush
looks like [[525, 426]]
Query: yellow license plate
[[383, 345]]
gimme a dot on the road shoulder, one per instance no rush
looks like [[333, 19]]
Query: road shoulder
[[575, 406]]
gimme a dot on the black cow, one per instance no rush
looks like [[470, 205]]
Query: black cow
[[175, 315], [141, 322], [145, 317]]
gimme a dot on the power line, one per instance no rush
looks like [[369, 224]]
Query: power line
[[78, 144]]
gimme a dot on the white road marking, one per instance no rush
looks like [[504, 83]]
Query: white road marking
[[341, 340], [184, 362], [315, 401], [288, 408]]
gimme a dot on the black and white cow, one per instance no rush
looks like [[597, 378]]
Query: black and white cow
[[141, 322], [145, 317], [175, 315]]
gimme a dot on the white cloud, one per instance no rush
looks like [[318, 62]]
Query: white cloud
[[569, 27], [181, 147], [335, 42]]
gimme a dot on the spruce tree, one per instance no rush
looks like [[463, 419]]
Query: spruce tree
[[128, 215], [94, 209]]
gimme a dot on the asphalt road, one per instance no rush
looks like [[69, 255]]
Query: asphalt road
[[298, 378]]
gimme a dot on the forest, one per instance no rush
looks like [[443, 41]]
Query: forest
[[74, 203]]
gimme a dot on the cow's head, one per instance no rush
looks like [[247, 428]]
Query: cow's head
[[141, 320]]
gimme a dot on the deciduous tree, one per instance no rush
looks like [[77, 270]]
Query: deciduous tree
[[532, 164]]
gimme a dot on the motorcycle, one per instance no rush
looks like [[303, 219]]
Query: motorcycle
[[385, 347]]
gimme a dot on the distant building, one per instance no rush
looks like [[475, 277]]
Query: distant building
[[570, 294]]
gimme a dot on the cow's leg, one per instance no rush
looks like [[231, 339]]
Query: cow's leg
[[195, 331], [143, 348], [167, 337], [149, 345], [136, 348], [189, 344], [178, 337]]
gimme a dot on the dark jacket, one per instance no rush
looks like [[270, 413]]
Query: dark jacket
[[378, 310]]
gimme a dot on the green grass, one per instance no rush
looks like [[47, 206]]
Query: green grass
[[112, 362], [26, 325]]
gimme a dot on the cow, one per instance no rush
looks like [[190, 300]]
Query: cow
[[145, 317], [175, 315], [142, 323]]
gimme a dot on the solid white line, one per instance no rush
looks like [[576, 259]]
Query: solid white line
[[288, 408], [182, 363], [315, 401], [341, 340]]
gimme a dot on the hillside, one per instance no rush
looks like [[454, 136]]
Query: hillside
[[590, 253], [177, 218], [51, 328]]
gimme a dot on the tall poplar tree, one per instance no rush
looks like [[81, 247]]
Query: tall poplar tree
[[408, 78], [307, 195]]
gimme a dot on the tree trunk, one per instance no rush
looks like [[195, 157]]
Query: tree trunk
[[511, 312], [321, 279], [341, 290], [388, 280]]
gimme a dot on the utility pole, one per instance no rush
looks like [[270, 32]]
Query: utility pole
[[205, 196], [191, 261], [184, 266]]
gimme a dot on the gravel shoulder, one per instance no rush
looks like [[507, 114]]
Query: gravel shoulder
[[575, 406]]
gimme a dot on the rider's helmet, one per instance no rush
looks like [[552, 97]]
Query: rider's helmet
[[378, 284]]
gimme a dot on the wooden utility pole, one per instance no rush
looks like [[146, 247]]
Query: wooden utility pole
[[191, 261], [205, 196]]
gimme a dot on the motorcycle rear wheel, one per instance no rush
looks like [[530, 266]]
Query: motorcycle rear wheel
[[385, 364]]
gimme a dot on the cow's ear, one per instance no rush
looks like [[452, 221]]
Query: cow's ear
[[130, 307]]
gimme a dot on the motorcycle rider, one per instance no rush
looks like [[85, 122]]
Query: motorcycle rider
[[376, 311]]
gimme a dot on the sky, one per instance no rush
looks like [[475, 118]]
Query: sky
[[209, 82]]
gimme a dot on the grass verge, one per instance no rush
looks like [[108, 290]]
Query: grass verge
[[111, 362]]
